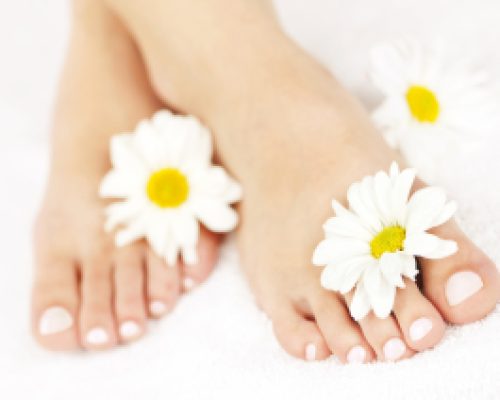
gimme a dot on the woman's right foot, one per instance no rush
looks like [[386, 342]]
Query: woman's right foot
[[295, 139], [88, 293]]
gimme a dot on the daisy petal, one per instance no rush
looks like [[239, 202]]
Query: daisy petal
[[361, 209], [348, 226], [409, 266], [446, 213], [425, 206], [372, 279], [353, 272], [391, 266], [216, 216], [335, 250], [360, 305], [383, 302], [429, 246], [124, 154], [400, 191]]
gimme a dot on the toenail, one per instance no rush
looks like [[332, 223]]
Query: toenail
[[188, 283], [129, 330], [157, 308], [420, 328], [54, 320], [393, 349], [356, 355], [97, 336], [461, 286], [311, 352]]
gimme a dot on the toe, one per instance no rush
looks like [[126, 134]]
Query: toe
[[194, 274], [129, 292], [97, 326], [384, 336], [465, 286], [417, 317], [163, 285], [299, 336], [343, 335], [55, 303]]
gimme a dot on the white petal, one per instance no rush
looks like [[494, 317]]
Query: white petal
[[121, 213], [185, 229], [424, 207], [429, 246], [159, 234], [348, 226], [215, 215], [335, 250], [134, 231], [372, 279], [394, 170], [189, 255], [119, 184], [339, 209], [446, 213], [401, 187], [353, 272], [124, 155], [149, 145], [391, 266], [215, 182], [382, 189], [360, 305], [171, 253], [331, 277], [409, 268], [363, 210], [383, 301]]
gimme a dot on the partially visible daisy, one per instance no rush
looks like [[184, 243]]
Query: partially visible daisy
[[372, 245], [164, 176], [430, 96]]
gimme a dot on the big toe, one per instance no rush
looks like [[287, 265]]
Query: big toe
[[465, 286], [55, 303]]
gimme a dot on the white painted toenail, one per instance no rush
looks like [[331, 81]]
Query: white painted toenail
[[393, 349], [356, 355], [129, 330], [461, 286], [97, 336], [188, 283], [157, 308], [420, 328], [54, 320], [311, 352]]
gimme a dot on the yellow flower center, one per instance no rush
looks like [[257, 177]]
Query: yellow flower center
[[423, 104], [168, 188], [390, 239]]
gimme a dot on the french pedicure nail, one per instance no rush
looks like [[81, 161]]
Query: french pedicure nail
[[97, 336], [393, 349], [129, 330], [356, 355], [188, 283], [157, 308], [311, 352], [420, 328], [54, 320], [461, 286]]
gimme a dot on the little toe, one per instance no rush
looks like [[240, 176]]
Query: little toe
[[55, 302], [343, 335], [163, 285], [129, 292], [198, 270], [418, 319], [464, 286], [384, 336], [97, 325], [299, 336]]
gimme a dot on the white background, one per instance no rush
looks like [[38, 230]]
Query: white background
[[217, 344]]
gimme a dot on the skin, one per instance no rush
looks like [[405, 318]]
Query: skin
[[283, 126]]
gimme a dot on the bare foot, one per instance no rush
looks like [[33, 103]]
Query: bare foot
[[87, 293], [296, 139]]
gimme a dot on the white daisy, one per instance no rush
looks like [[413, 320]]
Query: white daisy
[[373, 245], [164, 175], [431, 101]]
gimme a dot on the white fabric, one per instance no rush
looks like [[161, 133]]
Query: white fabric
[[217, 344]]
